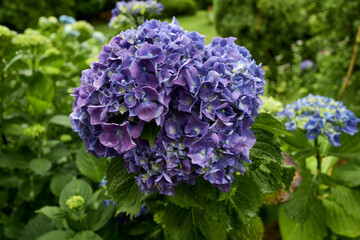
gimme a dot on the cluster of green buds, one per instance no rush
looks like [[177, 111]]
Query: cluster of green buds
[[271, 105], [75, 202], [5, 37], [34, 131], [30, 39]]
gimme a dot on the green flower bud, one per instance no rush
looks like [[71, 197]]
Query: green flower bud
[[6, 34], [34, 131], [65, 138], [84, 28], [75, 202]]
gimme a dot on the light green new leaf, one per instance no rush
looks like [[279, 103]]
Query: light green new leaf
[[339, 221], [40, 166], [90, 166], [62, 120], [348, 174]]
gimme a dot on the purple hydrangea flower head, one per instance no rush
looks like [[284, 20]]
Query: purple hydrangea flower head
[[320, 115], [202, 98], [306, 64]]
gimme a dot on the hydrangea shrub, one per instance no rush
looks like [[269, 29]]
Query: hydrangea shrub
[[133, 12], [320, 115], [198, 101]]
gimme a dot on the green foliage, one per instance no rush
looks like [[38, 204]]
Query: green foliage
[[150, 132], [313, 227], [122, 188], [90, 166], [178, 8]]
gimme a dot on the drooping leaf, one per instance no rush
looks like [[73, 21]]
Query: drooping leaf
[[61, 120], [122, 188], [339, 221], [40, 166], [52, 212], [150, 132], [348, 198], [58, 182], [267, 122], [297, 140], [90, 166], [301, 203], [13, 161], [314, 228]]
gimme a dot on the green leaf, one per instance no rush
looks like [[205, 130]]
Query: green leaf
[[62, 120], [252, 231], [57, 235], [86, 235], [90, 166], [349, 199], [287, 175], [266, 147], [348, 174], [268, 177], [40, 166], [75, 187], [267, 122], [314, 228], [52, 212], [299, 207], [96, 219], [349, 149], [58, 182], [38, 106], [244, 200], [150, 132], [36, 227], [297, 140], [13, 161], [191, 224], [122, 188], [339, 221]]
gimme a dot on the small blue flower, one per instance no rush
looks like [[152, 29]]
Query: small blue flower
[[67, 19]]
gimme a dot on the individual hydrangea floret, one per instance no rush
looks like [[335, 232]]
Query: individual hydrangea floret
[[306, 64], [133, 12], [320, 115], [202, 98]]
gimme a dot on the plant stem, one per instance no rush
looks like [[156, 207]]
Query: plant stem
[[318, 158], [351, 66]]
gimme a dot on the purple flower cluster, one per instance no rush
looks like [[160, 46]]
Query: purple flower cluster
[[320, 115], [203, 98]]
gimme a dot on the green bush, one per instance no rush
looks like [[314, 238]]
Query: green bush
[[178, 8], [204, 4], [281, 34]]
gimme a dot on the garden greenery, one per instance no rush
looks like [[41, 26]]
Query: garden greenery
[[184, 146]]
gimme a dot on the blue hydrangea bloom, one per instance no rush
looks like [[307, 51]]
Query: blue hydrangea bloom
[[320, 115], [306, 64], [204, 98], [67, 19]]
